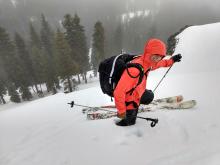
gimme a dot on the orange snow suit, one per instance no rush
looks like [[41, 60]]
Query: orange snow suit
[[126, 83]]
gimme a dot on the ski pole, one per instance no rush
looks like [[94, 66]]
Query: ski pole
[[162, 79], [153, 121], [72, 103]]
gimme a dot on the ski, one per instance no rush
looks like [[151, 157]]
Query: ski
[[95, 115], [100, 115], [168, 106], [173, 99]]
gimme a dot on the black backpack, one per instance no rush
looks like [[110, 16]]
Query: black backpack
[[111, 69]]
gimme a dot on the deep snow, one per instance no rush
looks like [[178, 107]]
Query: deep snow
[[48, 132]]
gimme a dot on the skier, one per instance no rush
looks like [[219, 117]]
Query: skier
[[127, 101]]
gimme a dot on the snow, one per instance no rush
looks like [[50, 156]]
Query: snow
[[14, 3], [126, 17], [47, 131]]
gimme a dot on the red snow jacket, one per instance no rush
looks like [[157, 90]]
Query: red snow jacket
[[126, 83]]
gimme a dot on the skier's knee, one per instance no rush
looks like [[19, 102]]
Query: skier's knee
[[147, 97]]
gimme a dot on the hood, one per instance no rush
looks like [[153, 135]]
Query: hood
[[154, 46]]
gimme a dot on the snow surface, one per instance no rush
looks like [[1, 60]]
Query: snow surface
[[48, 132]]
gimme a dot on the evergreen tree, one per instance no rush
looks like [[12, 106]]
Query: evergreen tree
[[13, 93], [39, 65], [34, 37], [25, 93], [138, 30], [26, 77], [76, 38], [10, 64], [118, 39], [38, 61], [98, 51], [82, 47], [70, 34], [3, 89], [47, 41], [67, 66], [172, 40], [133, 35]]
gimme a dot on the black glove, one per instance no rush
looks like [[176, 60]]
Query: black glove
[[176, 58]]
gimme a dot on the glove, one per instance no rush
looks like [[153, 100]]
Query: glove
[[121, 115], [176, 58]]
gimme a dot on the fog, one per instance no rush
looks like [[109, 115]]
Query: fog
[[168, 16], [128, 24]]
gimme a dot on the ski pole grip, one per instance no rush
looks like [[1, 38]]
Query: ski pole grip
[[71, 104], [154, 122]]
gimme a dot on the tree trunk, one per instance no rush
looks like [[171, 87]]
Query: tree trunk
[[54, 90], [78, 79], [48, 89], [57, 83], [33, 89], [95, 72], [85, 77], [36, 87], [41, 88], [69, 84], [41, 94], [2, 99]]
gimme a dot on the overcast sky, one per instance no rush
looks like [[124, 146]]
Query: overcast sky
[[174, 13]]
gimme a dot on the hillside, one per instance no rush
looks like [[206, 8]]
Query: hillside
[[47, 131]]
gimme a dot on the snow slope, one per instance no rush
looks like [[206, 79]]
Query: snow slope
[[48, 132]]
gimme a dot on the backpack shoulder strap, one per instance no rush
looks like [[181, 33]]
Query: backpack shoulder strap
[[113, 68], [140, 75], [148, 70]]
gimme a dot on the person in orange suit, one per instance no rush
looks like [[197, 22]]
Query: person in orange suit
[[126, 102]]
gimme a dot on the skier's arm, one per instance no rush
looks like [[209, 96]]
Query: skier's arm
[[168, 63], [163, 63], [125, 84]]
